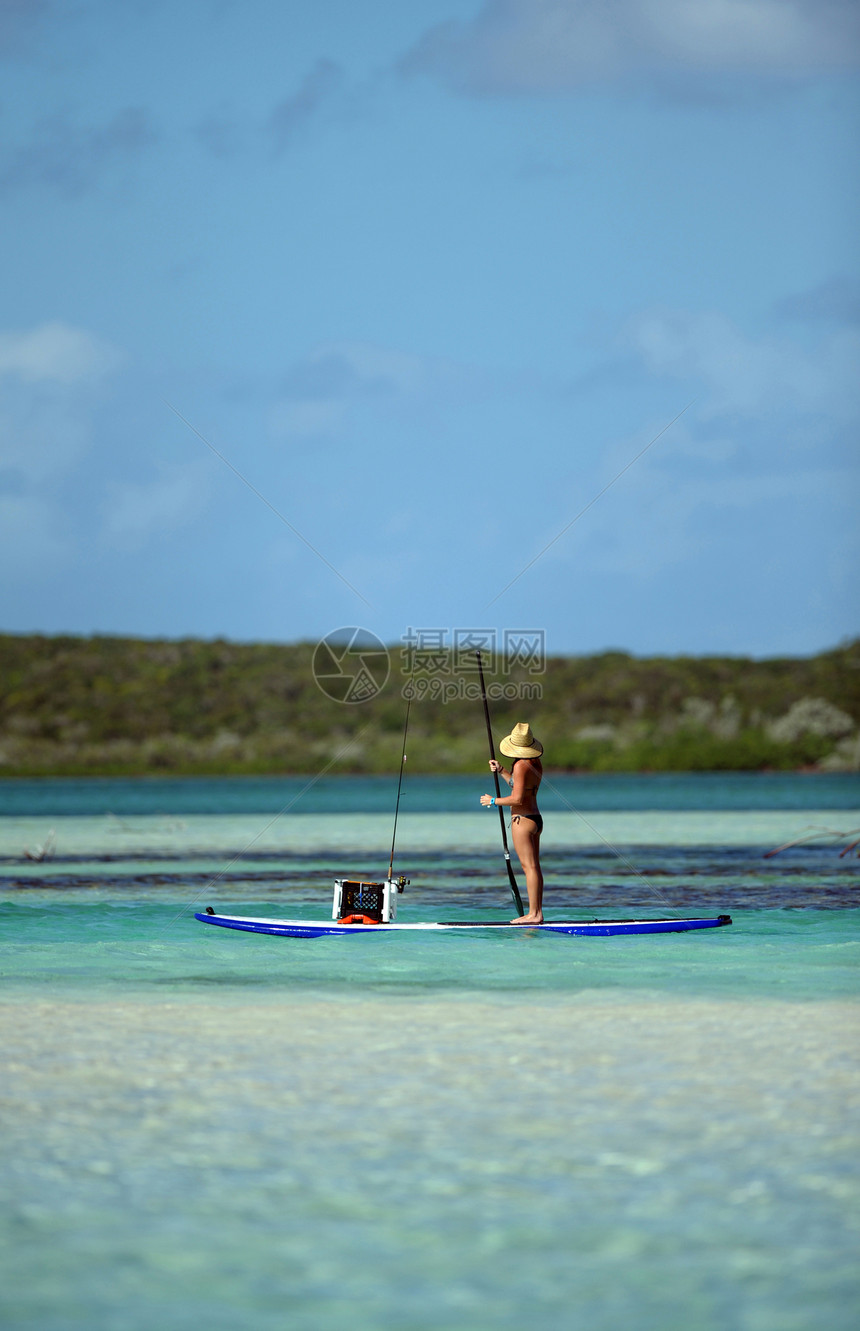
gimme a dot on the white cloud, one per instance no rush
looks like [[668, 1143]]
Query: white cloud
[[319, 391], [663, 516], [765, 438], [745, 375], [55, 352], [527, 46], [172, 500], [48, 378], [41, 434], [305, 420], [393, 371], [339, 369], [30, 539]]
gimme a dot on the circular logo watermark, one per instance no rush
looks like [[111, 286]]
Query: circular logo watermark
[[351, 665]]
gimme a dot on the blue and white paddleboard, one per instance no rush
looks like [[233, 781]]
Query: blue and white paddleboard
[[336, 929]]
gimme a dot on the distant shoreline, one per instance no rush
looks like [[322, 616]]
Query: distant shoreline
[[813, 772], [129, 707]]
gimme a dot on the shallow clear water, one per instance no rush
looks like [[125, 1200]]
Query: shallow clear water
[[110, 948], [208, 1128]]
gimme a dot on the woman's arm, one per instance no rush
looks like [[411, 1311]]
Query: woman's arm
[[518, 788]]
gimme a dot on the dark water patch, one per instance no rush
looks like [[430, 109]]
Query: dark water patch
[[645, 860], [664, 876]]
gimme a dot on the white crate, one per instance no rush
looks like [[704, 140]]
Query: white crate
[[346, 890]]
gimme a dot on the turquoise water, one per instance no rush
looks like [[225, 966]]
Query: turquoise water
[[115, 948], [207, 1128], [423, 794]]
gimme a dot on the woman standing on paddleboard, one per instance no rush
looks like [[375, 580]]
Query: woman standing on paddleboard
[[526, 823]]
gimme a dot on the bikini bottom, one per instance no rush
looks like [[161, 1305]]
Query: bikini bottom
[[536, 818]]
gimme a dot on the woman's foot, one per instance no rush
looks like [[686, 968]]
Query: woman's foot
[[529, 919]]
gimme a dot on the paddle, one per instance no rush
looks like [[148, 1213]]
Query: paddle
[[518, 901]]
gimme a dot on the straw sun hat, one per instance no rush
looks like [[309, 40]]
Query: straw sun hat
[[521, 743]]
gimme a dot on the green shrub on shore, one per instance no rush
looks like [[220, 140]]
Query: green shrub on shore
[[123, 706]]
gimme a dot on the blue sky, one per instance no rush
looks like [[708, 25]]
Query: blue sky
[[429, 276]]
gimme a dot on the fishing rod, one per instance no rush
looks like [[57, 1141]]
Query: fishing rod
[[400, 777], [518, 901]]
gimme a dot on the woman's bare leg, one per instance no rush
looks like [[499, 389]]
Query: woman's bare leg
[[527, 845]]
